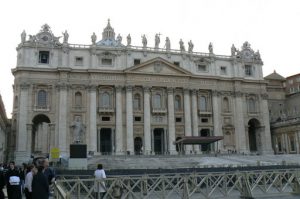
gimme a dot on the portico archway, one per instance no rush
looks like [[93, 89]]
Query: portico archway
[[158, 135], [41, 135], [253, 134]]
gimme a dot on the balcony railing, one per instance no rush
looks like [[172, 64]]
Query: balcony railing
[[106, 110], [159, 110]]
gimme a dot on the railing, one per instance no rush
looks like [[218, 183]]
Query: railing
[[197, 185]]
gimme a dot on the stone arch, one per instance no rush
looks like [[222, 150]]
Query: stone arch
[[40, 139], [254, 136]]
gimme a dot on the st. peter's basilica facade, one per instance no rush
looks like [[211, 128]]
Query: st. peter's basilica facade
[[122, 99]]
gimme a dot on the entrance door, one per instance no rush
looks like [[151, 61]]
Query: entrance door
[[159, 141], [252, 134], [105, 141], [204, 133], [138, 145]]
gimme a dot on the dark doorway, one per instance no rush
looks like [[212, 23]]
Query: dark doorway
[[205, 133], [179, 148], [138, 143], [38, 121], [158, 141], [105, 141], [253, 126]]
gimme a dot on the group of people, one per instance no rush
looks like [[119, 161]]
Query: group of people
[[33, 180]]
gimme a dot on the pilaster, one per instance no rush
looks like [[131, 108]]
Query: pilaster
[[129, 119], [119, 121], [62, 117], [147, 125], [195, 117], [217, 118], [171, 122], [93, 118], [187, 118]]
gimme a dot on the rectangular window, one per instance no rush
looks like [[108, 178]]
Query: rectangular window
[[44, 57], [223, 70], [204, 120], [248, 70], [107, 62], [136, 61], [202, 68], [105, 119], [78, 61], [176, 63], [137, 119], [178, 119], [291, 81]]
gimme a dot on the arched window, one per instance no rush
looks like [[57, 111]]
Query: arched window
[[78, 99], [105, 100], [157, 101], [251, 104], [137, 102], [177, 103], [42, 98], [225, 104], [203, 103]]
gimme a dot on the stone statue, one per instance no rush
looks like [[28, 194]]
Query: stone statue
[[168, 44], [191, 46], [144, 41], [257, 55], [233, 50], [157, 40], [23, 36], [94, 38], [78, 130], [119, 39], [32, 38], [210, 48], [128, 40], [66, 36], [181, 45]]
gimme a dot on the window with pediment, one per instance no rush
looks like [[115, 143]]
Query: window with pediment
[[203, 103], [42, 99], [177, 103], [137, 102], [157, 101], [78, 99], [225, 104], [251, 105], [105, 100]]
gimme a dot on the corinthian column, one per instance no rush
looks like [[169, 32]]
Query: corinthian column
[[147, 125], [119, 121], [22, 154], [171, 121], [195, 117], [62, 118], [266, 142], [92, 120], [239, 123], [187, 117], [217, 119], [129, 119]]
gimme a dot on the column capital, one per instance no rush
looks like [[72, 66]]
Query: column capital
[[186, 90], [264, 96], [146, 89], [129, 88], [52, 126], [92, 87], [195, 91], [62, 86], [24, 85], [29, 127], [170, 90], [238, 94], [215, 93], [118, 88]]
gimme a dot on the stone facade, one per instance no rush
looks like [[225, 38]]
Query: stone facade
[[124, 99], [4, 132], [284, 109]]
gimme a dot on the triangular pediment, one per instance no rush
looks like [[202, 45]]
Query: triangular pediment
[[158, 66]]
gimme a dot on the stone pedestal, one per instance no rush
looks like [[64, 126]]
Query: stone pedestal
[[77, 164]]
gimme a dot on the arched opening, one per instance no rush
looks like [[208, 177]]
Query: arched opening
[[253, 126], [179, 148], [158, 141], [41, 135], [205, 133], [105, 141], [225, 104], [157, 101], [177, 103], [138, 144], [203, 103], [137, 102], [78, 99]]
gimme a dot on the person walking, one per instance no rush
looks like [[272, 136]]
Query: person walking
[[2, 182], [13, 182], [28, 182], [100, 188], [40, 187]]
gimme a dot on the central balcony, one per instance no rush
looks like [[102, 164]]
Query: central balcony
[[106, 110], [159, 111]]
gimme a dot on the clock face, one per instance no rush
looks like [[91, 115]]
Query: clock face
[[247, 54], [45, 38]]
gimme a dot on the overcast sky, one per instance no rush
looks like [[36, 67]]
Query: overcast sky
[[270, 26]]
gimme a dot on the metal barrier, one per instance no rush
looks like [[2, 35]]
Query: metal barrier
[[196, 185]]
